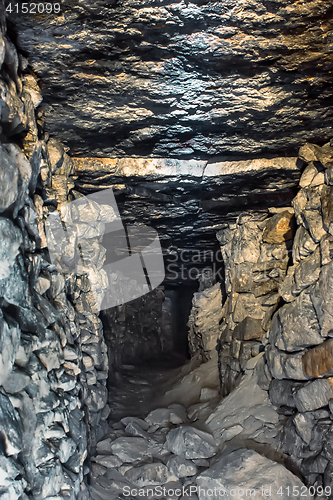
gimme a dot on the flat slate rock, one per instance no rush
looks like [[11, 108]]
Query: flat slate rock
[[130, 449], [188, 442], [150, 475]]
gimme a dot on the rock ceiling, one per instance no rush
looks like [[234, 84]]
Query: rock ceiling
[[211, 87], [183, 79]]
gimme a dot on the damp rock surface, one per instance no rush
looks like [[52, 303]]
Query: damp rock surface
[[186, 80]]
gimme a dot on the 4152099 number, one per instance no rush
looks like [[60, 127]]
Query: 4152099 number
[[33, 8]]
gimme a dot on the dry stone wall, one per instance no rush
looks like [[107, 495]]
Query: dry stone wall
[[137, 331], [53, 359], [279, 271], [255, 251], [298, 344]]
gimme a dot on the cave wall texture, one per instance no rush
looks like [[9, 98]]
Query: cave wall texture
[[231, 80], [183, 79], [53, 359], [279, 302]]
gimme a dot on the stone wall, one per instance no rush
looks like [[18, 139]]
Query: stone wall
[[298, 345], [255, 253], [204, 322], [136, 331], [280, 296], [53, 359]]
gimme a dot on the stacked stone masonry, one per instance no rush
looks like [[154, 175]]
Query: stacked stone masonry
[[53, 359], [279, 273]]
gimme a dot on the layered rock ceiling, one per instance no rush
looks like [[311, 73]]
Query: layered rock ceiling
[[188, 201], [183, 79]]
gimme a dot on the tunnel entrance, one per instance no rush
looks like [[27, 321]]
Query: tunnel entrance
[[148, 338]]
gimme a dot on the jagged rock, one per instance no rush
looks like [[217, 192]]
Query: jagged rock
[[243, 470], [130, 449], [321, 296], [134, 429], [180, 467], [279, 228], [188, 442], [9, 344], [204, 320], [248, 305], [281, 392], [233, 412], [304, 423], [42, 285], [178, 413], [164, 416], [300, 276], [316, 465], [11, 239], [208, 393], [15, 174], [15, 382], [295, 326], [303, 244], [108, 461], [283, 365], [150, 475], [313, 221], [314, 395], [8, 471], [307, 152], [10, 427], [129, 420], [329, 176], [249, 329], [308, 175], [327, 206], [325, 155]]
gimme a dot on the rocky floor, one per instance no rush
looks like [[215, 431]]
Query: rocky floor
[[185, 450]]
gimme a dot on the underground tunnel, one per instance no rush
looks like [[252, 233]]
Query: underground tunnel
[[166, 250]]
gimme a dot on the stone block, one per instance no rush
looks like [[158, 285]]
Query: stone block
[[318, 361], [245, 471], [279, 228], [249, 329], [188, 442], [303, 244], [327, 206], [281, 392], [314, 395], [307, 152], [295, 326]]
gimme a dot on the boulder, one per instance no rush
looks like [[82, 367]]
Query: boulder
[[188, 442], [130, 449], [150, 475], [243, 473], [314, 395], [181, 467], [295, 326]]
